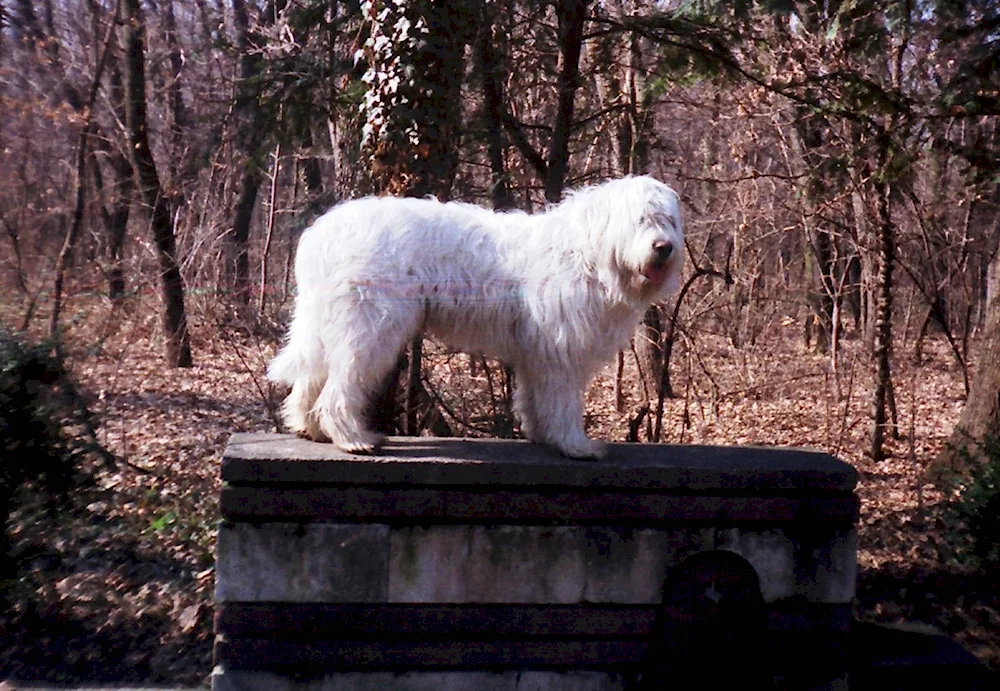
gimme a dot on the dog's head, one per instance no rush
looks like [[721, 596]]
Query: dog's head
[[636, 223], [657, 250]]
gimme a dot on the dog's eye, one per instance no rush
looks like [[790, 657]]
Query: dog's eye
[[664, 221]]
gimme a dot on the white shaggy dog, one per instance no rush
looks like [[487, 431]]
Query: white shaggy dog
[[553, 294]]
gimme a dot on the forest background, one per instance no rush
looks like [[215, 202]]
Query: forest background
[[837, 163]]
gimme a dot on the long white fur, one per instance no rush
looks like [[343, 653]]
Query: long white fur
[[553, 294]]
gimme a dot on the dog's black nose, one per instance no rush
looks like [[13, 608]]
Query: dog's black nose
[[663, 250]]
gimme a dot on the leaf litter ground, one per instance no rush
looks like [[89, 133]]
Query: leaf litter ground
[[118, 588]]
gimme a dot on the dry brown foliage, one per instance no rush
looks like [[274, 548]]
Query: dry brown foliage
[[119, 589]]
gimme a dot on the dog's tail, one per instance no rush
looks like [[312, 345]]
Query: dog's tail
[[284, 368], [300, 356]]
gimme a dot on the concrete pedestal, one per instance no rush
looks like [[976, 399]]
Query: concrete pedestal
[[460, 564]]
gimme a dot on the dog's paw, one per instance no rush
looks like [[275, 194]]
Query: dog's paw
[[312, 435], [364, 445], [315, 432], [584, 449]]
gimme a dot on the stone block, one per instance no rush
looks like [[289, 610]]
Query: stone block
[[448, 564], [291, 562], [819, 564], [427, 564], [770, 552], [415, 681], [827, 566], [535, 564], [241, 680], [628, 566]]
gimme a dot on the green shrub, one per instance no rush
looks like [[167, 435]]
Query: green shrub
[[978, 502], [46, 432]]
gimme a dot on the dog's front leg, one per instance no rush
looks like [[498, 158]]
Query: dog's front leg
[[551, 409]]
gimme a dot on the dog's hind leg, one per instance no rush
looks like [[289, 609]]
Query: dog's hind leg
[[524, 405], [367, 350], [341, 418], [298, 412]]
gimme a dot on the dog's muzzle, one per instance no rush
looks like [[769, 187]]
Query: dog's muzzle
[[656, 269], [662, 250]]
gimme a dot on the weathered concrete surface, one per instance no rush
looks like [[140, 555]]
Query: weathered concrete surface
[[771, 553], [239, 680], [820, 567], [277, 458], [535, 564], [827, 570], [290, 562], [319, 562]]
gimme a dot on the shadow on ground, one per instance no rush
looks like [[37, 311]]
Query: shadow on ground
[[49, 643], [111, 612]]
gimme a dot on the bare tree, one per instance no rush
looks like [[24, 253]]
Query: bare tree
[[570, 15], [490, 67], [416, 58], [115, 211], [552, 167], [883, 321], [82, 154], [178, 343], [247, 140], [981, 413]]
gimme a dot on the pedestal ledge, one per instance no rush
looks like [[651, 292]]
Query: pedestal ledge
[[425, 461]]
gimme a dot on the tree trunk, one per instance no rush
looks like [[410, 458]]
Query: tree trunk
[[981, 413], [552, 168], [862, 268], [825, 291], [242, 219], [649, 353], [493, 108], [312, 174], [413, 388], [852, 290], [633, 153], [571, 15], [116, 218], [14, 233], [400, 166], [810, 134], [114, 215], [883, 320], [414, 152], [25, 23], [82, 154], [271, 211], [116, 225], [247, 118], [178, 111], [178, 344]]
